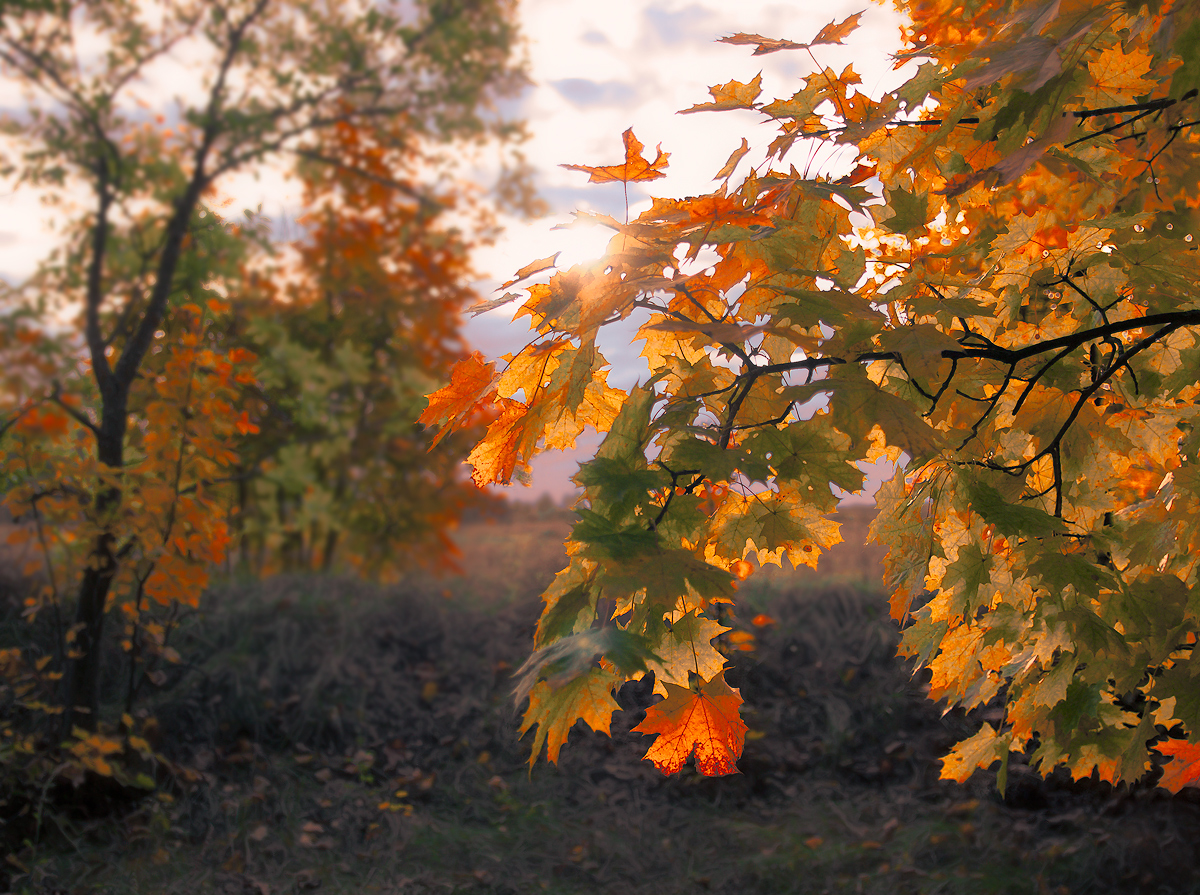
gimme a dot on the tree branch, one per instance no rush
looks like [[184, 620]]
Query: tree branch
[[177, 227]]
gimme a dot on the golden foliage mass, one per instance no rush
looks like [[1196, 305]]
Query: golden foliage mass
[[999, 294]]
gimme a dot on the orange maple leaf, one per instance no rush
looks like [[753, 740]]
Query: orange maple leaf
[[833, 33], [470, 381], [1184, 768], [531, 268], [732, 95], [704, 721], [633, 169], [496, 456]]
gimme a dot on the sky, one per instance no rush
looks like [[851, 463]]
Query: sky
[[597, 69]]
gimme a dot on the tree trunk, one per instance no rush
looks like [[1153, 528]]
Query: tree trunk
[[86, 652], [331, 541]]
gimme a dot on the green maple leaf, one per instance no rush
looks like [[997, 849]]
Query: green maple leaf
[[810, 456], [1011, 520], [605, 539], [910, 211], [566, 599], [775, 522], [965, 576], [665, 576], [857, 405]]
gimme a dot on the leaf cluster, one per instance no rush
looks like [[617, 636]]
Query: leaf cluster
[[998, 295]]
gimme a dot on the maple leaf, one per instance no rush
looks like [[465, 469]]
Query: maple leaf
[[732, 95], [859, 405], [571, 656], [1184, 767], [687, 649], [833, 33], [1120, 76], [979, 751], [505, 446], [704, 722], [634, 169], [587, 697], [471, 381]]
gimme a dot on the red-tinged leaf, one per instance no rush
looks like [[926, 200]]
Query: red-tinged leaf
[[858, 175], [634, 169], [1184, 767], [703, 722], [470, 382]]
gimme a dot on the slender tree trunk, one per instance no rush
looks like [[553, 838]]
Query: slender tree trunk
[[244, 561], [331, 541], [85, 669]]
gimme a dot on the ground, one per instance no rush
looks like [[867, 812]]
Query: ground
[[349, 737]]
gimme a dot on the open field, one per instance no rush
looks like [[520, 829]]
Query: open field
[[346, 738]]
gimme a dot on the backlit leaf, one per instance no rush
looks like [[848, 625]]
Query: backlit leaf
[[633, 170], [704, 722], [1184, 767], [588, 698]]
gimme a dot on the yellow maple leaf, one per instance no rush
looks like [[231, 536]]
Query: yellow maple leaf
[[952, 669], [1119, 77]]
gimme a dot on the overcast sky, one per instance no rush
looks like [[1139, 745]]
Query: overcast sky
[[598, 68]]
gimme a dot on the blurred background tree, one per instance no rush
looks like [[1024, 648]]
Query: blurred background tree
[[349, 339], [171, 374]]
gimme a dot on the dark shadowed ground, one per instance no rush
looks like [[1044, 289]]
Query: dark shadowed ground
[[344, 737]]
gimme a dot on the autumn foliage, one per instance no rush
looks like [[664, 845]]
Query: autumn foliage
[[336, 475], [996, 292], [180, 394]]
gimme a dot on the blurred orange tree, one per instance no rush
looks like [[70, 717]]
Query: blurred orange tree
[[160, 379], [349, 340]]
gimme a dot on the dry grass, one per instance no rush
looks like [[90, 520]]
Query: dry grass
[[310, 703]]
